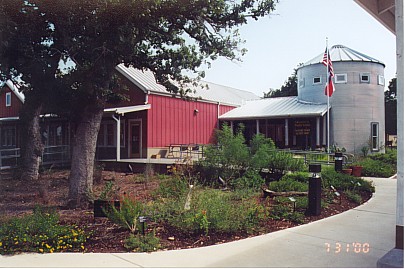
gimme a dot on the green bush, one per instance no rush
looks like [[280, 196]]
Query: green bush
[[220, 211], [280, 212], [288, 184], [142, 243], [376, 168], [127, 216], [389, 157], [344, 182], [354, 197], [297, 176], [172, 187], [40, 232], [250, 180]]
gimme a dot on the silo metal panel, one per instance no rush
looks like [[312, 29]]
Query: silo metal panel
[[354, 105]]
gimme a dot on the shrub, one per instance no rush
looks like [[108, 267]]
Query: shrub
[[288, 184], [389, 157], [173, 187], [297, 176], [250, 180], [220, 211], [280, 212], [142, 243], [127, 216], [376, 168], [40, 232], [354, 197], [344, 182]]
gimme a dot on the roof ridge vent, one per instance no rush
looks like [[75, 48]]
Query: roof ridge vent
[[338, 47]]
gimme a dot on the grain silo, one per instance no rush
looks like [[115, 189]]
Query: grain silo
[[356, 106]]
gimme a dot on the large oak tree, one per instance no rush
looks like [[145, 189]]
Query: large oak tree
[[167, 37]]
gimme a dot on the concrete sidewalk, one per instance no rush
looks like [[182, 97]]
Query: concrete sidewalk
[[356, 238]]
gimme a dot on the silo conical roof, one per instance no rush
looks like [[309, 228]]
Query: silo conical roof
[[340, 53]]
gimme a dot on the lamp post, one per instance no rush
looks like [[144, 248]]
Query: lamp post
[[314, 191]]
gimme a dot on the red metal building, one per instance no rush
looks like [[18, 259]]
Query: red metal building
[[154, 121]]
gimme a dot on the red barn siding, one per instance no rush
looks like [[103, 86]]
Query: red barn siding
[[9, 111], [173, 121]]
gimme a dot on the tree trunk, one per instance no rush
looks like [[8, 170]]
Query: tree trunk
[[83, 154], [31, 142]]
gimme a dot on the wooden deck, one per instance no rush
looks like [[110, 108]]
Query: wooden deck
[[138, 165]]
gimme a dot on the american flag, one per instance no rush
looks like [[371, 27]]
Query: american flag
[[329, 89]]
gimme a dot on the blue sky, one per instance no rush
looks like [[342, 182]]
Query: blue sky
[[297, 32]]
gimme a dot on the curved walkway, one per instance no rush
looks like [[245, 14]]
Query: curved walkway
[[356, 238]]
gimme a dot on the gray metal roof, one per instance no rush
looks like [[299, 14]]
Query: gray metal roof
[[146, 81], [275, 108], [340, 53]]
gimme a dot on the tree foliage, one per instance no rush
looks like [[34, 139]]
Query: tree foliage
[[288, 89], [167, 37]]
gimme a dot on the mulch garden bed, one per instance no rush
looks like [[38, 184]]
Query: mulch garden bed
[[20, 197]]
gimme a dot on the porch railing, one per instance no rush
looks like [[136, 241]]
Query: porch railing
[[318, 157], [52, 155]]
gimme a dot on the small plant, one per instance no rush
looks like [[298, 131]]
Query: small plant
[[250, 180], [127, 215], [200, 220], [172, 188], [365, 149], [280, 212], [296, 217], [353, 196], [40, 232], [109, 191], [288, 184], [142, 243]]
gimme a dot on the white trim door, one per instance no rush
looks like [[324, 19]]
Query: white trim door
[[135, 139]]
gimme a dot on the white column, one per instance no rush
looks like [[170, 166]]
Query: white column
[[118, 134], [232, 126], [324, 131], [257, 127], [399, 24], [318, 138], [286, 132]]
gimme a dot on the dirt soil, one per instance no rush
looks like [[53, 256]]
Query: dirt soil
[[51, 190]]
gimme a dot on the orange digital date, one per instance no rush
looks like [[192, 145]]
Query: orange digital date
[[347, 247]]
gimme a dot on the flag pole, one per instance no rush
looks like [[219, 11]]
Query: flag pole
[[327, 92]]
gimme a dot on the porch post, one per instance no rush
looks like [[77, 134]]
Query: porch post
[[318, 138], [118, 121], [324, 131], [257, 127], [286, 132], [267, 129], [232, 126]]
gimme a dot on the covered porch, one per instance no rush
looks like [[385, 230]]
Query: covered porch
[[290, 123]]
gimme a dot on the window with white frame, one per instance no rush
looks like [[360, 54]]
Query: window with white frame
[[108, 134], [380, 80], [374, 136], [316, 80], [8, 99], [364, 77], [340, 78], [8, 136]]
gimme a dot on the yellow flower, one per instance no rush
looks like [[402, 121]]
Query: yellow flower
[[1, 243], [41, 250], [82, 246], [47, 246], [16, 243]]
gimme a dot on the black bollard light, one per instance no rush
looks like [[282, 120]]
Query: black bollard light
[[314, 191], [338, 161]]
